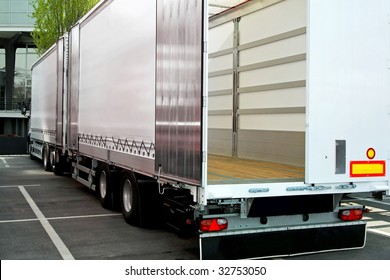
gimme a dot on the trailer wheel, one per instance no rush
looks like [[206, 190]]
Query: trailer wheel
[[46, 158], [58, 167], [32, 157], [104, 187], [29, 148], [129, 197]]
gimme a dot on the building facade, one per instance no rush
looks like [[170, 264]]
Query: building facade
[[17, 54]]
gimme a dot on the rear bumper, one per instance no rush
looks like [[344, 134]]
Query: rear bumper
[[283, 241]]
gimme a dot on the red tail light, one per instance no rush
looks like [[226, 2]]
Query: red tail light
[[351, 214], [213, 224]]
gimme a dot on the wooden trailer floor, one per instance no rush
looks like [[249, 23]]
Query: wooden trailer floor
[[228, 170]]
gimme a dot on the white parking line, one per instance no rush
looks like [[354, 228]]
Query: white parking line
[[5, 162], [380, 232], [60, 245], [14, 186], [18, 221], [85, 216], [62, 218], [372, 230], [371, 200]]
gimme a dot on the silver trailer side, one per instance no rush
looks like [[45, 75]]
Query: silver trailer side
[[135, 99], [46, 125]]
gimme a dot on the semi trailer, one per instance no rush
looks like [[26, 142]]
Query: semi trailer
[[247, 127]]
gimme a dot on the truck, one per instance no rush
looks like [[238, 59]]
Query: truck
[[247, 127]]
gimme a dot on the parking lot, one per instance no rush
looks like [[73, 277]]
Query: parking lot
[[43, 216], [46, 217]]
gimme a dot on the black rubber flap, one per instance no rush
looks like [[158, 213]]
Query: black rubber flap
[[283, 243]]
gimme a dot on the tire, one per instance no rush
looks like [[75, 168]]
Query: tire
[[129, 199], [58, 167], [46, 158], [104, 187], [29, 147], [32, 157]]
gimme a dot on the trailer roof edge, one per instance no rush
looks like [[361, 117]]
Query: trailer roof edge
[[240, 10]]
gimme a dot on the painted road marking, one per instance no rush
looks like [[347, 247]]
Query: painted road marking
[[60, 245], [377, 231], [370, 223], [62, 218], [5, 162], [14, 186], [372, 200]]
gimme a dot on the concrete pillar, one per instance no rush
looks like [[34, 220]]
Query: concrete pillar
[[10, 52]]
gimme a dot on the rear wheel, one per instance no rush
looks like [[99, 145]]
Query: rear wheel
[[129, 198], [29, 148], [58, 163], [104, 187], [46, 158], [32, 157]]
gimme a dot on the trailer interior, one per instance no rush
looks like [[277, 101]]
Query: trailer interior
[[256, 94]]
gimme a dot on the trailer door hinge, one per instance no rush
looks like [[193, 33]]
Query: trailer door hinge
[[204, 156], [204, 101]]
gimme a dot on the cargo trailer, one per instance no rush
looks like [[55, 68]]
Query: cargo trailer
[[247, 127]]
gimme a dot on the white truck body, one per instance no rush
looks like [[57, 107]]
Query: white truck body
[[131, 93], [46, 125], [260, 118]]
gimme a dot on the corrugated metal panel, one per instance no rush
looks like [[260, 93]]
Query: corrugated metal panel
[[60, 87], [179, 89], [73, 87]]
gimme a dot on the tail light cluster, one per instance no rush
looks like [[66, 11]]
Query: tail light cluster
[[352, 214], [216, 224]]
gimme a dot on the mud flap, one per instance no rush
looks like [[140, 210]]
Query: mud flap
[[282, 242]]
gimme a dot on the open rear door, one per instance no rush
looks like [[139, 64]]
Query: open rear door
[[347, 91], [179, 90]]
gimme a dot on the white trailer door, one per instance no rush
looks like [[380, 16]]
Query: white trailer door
[[347, 90]]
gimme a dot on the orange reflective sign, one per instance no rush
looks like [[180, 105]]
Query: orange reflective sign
[[367, 168]]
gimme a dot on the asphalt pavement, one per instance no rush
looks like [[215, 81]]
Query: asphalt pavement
[[48, 217]]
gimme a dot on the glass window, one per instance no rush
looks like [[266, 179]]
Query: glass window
[[4, 18], [19, 18], [2, 58], [31, 58], [25, 57], [31, 20], [19, 5], [4, 5], [30, 6], [20, 74], [2, 77], [16, 12]]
